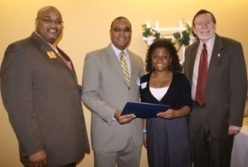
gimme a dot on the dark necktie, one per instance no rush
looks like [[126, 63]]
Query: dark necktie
[[202, 75]]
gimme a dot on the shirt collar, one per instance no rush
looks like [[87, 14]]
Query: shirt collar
[[54, 46], [118, 51], [209, 43]]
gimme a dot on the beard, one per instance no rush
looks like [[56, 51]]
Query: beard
[[204, 35]]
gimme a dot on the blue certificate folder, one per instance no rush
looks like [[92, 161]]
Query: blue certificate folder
[[144, 110]]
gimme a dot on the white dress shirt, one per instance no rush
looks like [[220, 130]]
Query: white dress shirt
[[209, 47]]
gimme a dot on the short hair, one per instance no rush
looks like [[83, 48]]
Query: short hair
[[119, 18], [203, 11]]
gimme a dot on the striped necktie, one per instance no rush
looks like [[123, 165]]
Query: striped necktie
[[124, 67]]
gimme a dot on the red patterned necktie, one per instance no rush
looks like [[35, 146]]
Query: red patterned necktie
[[202, 75]]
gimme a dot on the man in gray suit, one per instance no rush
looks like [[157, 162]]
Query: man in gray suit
[[115, 137], [217, 113], [42, 97]]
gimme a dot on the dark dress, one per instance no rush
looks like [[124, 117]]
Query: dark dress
[[168, 140]]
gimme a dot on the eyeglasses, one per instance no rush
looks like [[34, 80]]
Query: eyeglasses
[[206, 22], [51, 21], [118, 29]]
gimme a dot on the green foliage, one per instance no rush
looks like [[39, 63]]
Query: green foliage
[[157, 35], [150, 32], [146, 31], [177, 35], [181, 39]]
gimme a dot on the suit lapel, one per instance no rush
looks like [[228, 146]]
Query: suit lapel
[[215, 58], [48, 49], [133, 68], [66, 57], [72, 72], [192, 60], [115, 63]]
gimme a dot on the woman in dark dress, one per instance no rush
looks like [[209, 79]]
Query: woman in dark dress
[[166, 136]]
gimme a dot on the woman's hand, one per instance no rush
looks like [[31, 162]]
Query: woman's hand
[[168, 114]]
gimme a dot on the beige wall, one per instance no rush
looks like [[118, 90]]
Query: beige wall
[[86, 28]]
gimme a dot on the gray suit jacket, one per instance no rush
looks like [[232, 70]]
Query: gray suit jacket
[[226, 84], [42, 98], [105, 91]]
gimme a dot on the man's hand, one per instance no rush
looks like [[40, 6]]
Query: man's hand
[[233, 130], [38, 159], [123, 119]]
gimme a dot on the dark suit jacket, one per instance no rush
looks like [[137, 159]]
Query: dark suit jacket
[[42, 98], [226, 84], [104, 92]]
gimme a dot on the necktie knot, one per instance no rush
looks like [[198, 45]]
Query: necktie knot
[[122, 55], [204, 46]]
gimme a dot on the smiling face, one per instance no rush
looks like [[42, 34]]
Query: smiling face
[[204, 27], [161, 59], [121, 33], [49, 24]]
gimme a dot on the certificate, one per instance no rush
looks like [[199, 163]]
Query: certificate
[[144, 110]]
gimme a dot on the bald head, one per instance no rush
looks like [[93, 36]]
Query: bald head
[[49, 23], [45, 9]]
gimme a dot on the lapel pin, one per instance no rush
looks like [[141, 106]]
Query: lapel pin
[[51, 55], [218, 54]]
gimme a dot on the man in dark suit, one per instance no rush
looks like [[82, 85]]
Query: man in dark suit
[[42, 97], [217, 113], [115, 137]]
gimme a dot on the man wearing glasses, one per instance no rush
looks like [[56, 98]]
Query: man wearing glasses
[[42, 97], [109, 81]]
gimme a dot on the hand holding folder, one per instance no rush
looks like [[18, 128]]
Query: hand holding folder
[[144, 110]]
